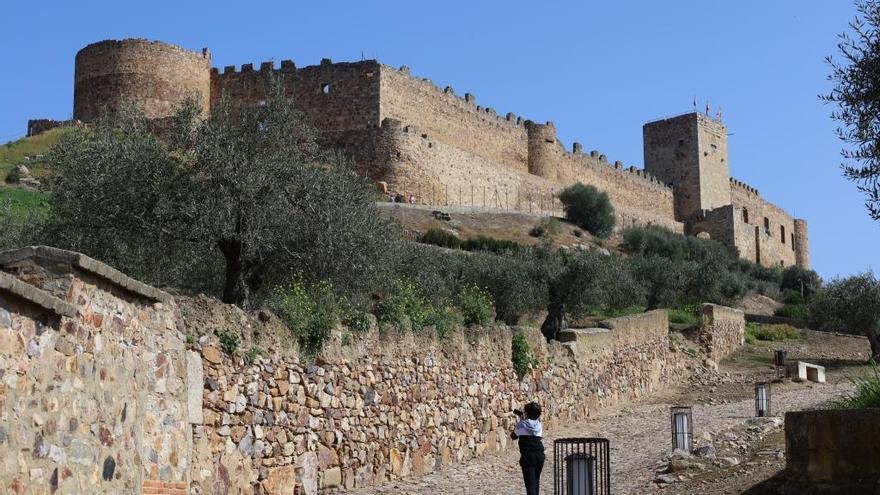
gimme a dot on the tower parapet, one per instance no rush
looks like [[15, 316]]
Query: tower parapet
[[153, 76]]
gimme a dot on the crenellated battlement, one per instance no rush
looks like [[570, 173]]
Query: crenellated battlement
[[437, 143], [743, 186]]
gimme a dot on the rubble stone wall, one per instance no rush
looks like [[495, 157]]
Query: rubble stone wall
[[723, 330], [390, 405], [92, 388]]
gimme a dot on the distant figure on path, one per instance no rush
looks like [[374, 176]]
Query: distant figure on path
[[529, 431]]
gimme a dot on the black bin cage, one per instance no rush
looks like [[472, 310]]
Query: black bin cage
[[762, 399], [581, 466], [682, 428], [779, 357]]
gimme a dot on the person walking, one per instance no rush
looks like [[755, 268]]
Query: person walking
[[529, 432]]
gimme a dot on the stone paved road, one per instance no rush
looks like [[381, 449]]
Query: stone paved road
[[639, 435]]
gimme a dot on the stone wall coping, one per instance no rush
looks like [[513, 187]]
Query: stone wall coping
[[88, 264], [41, 298]]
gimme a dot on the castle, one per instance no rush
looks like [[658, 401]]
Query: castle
[[419, 140]]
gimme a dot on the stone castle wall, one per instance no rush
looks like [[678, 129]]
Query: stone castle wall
[[151, 75], [93, 380], [776, 245], [475, 156], [334, 97], [390, 406], [722, 331], [453, 120]]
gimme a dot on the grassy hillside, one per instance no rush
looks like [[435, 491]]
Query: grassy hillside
[[23, 202], [14, 152]]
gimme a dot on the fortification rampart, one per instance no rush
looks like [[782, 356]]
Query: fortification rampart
[[334, 97], [764, 232], [453, 120], [412, 163], [153, 76], [446, 149]]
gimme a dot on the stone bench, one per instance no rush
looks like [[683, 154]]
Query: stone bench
[[806, 371]]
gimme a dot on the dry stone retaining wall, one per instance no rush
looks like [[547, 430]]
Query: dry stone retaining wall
[[92, 396], [723, 330], [395, 405]]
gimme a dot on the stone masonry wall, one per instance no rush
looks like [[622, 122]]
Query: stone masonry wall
[[722, 331], [413, 163], [392, 405], [152, 75], [454, 120], [92, 389], [768, 237]]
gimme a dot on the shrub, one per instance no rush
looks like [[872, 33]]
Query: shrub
[[792, 297], [588, 208], [442, 238], [357, 320], [795, 278], [406, 301], [521, 355], [867, 393], [444, 319], [309, 311], [849, 305], [577, 232], [517, 282], [771, 333], [490, 244], [796, 311], [252, 354], [546, 227], [229, 340], [476, 305]]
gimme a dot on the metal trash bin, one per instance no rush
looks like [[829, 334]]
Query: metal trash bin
[[581, 466]]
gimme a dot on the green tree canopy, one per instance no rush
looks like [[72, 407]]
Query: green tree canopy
[[241, 197], [856, 93]]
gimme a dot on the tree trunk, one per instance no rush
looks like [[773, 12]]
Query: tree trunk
[[234, 289], [874, 339], [555, 321]]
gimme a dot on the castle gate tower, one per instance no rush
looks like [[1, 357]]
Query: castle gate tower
[[153, 76], [690, 152]]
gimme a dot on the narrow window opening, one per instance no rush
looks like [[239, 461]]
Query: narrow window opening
[[792, 242], [782, 233], [767, 224], [326, 88], [745, 215]]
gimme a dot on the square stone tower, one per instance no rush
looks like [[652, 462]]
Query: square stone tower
[[690, 153]]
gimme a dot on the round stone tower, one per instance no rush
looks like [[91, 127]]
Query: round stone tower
[[801, 243], [542, 149], [151, 75]]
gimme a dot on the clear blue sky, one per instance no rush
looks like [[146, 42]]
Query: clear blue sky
[[599, 71]]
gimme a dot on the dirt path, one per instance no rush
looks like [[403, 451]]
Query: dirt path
[[640, 437]]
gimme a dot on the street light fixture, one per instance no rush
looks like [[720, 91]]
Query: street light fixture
[[682, 428], [762, 399]]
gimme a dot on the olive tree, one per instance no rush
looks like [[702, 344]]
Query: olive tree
[[849, 305], [241, 197], [856, 85]]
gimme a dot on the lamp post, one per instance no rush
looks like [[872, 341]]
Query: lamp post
[[762, 399], [682, 428], [581, 466]]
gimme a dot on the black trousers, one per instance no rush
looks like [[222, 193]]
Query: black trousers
[[532, 463]]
